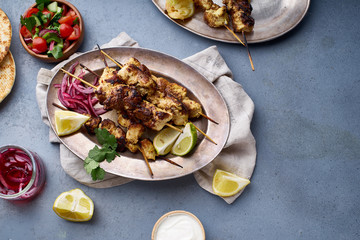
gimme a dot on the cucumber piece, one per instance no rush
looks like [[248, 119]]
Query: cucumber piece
[[37, 20], [52, 6], [59, 10]]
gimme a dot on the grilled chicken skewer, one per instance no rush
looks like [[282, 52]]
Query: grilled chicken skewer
[[240, 11], [194, 107], [166, 101]]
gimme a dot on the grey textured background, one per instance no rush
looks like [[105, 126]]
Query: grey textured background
[[306, 123]]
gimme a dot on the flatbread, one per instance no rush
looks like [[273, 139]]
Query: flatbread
[[5, 34], [7, 75]]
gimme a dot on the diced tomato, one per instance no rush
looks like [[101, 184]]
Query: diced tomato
[[25, 32], [71, 13], [31, 12], [75, 34], [66, 44], [39, 44], [65, 30], [67, 19], [33, 31]]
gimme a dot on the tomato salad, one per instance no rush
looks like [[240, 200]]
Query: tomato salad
[[50, 28]]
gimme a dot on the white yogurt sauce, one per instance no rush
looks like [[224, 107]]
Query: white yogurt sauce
[[179, 226]]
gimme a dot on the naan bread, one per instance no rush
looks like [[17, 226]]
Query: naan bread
[[7, 75], [5, 35]]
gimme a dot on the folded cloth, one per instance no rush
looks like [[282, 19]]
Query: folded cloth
[[239, 153]]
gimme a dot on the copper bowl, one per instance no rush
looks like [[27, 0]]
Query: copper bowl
[[70, 50]]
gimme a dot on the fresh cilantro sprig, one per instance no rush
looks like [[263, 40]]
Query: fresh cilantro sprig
[[97, 155]]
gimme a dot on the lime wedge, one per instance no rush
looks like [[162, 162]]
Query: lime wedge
[[164, 140], [67, 122], [186, 141]]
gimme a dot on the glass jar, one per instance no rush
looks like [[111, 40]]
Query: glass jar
[[22, 173]]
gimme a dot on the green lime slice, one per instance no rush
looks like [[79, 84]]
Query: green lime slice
[[164, 140], [186, 141]]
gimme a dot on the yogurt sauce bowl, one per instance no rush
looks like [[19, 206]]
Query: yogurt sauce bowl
[[178, 225]]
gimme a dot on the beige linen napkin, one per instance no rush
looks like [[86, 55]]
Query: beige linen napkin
[[239, 154]]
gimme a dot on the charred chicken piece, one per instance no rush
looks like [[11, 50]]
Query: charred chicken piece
[[134, 132], [170, 104], [136, 74], [216, 16], [121, 97], [194, 108], [168, 88], [132, 147], [240, 11], [116, 131], [148, 149], [106, 83], [203, 4], [92, 124], [152, 116]]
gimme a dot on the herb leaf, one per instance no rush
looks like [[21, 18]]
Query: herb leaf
[[97, 155], [90, 165], [98, 174], [104, 136], [29, 22]]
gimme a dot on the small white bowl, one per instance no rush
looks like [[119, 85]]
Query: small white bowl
[[171, 214]]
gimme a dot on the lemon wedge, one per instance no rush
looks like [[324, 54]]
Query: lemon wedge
[[180, 9], [67, 122], [186, 141], [74, 206], [164, 140], [227, 184]]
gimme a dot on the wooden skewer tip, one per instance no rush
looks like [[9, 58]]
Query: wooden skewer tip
[[113, 60], [204, 134], [248, 51], [81, 80], [205, 116]]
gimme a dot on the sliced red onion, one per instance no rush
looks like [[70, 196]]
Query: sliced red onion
[[28, 40], [36, 51], [44, 31], [52, 44], [75, 96]]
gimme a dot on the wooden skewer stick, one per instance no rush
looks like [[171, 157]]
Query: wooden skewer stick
[[169, 161], [61, 107], [175, 128], [204, 134], [102, 56], [232, 32], [147, 162], [81, 80], [248, 51], [88, 69], [208, 118], [113, 60]]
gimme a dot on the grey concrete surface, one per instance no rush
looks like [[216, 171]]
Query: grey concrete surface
[[306, 93]]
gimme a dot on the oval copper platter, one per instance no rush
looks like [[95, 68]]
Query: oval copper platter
[[273, 18], [132, 165]]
